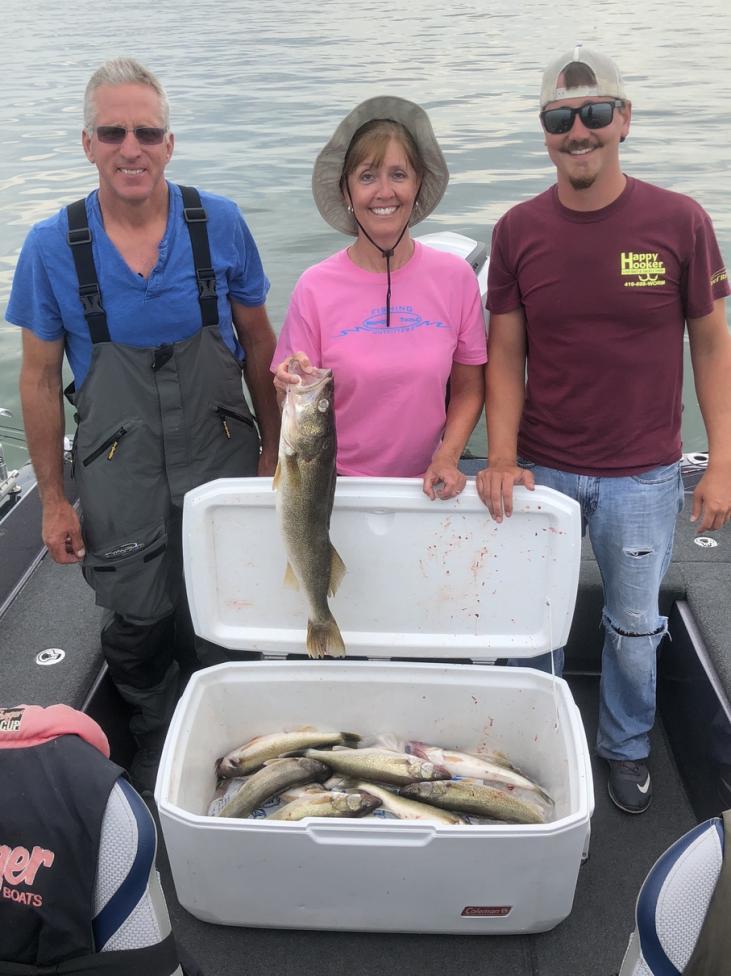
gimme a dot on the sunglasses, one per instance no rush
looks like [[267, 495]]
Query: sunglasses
[[114, 135], [594, 115]]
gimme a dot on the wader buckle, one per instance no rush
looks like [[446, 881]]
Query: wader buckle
[[91, 299], [194, 215], [80, 236], [206, 282]]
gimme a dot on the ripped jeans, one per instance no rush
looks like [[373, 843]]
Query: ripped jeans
[[631, 523]]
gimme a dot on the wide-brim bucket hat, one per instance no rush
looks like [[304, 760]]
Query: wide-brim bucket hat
[[329, 164]]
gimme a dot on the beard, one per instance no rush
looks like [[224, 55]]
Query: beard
[[582, 182]]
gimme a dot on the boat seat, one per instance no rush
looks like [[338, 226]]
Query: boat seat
[[673, 903]]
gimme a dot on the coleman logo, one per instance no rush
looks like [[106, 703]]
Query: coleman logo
[[645, 268], [10, 719], [486, 911]]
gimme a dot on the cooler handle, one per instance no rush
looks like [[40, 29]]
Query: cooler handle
[[360, 835]]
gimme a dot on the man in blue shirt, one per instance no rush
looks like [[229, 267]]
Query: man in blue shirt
[[156, 295]]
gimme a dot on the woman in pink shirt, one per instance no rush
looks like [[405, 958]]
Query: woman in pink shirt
[[395, 320]]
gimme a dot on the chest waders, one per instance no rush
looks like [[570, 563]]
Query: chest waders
[[152, 424]]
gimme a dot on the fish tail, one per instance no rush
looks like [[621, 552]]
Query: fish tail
[[324, 639]]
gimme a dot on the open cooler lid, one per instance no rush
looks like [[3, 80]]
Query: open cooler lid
[[424, 578]]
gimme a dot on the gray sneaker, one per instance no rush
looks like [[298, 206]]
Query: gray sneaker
[[629, 785]]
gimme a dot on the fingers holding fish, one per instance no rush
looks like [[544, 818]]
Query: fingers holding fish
[[289, 370]]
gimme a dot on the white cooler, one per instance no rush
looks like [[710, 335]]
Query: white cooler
[[425, 580]]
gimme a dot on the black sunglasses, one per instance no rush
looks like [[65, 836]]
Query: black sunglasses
[[594, 115], [114, 135]]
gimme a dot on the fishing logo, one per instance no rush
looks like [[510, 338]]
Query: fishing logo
[[644, 268], [718, 276], [19, 866], [10, 719], [403, 319]]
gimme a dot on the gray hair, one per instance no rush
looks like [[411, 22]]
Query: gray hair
[[122, 71]]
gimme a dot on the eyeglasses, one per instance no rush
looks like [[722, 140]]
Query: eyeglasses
[[114, 135], [594, 115]]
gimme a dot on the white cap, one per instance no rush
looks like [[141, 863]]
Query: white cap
[[606, 73]]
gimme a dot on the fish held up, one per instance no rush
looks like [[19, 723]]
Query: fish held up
[[305, 485]]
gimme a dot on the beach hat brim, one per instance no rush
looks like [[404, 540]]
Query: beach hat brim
[[329, 163]]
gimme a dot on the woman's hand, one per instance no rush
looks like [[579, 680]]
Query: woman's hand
[[283, 377], [442, 478]]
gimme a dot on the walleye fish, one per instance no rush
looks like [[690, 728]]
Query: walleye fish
[[379, 765], [255, 752], [330, 804], [276, 776], [305, 486], [478, 799], [464, 764], [405, 809]]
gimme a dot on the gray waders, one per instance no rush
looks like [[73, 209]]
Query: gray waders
[[152, 424]]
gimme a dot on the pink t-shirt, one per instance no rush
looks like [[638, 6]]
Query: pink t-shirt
[[606, 294], [390, 383]]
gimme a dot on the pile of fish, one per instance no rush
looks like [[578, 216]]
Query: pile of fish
[[309, 772]]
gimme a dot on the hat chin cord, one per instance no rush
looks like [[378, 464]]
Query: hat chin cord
[[387, 253]]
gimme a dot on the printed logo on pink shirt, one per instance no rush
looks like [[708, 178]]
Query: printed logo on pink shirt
[[403, 319]]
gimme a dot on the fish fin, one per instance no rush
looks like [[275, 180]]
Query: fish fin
[[351, 738], [277, 477], [324, 640], [290, 579], [337, 571], [500, 759]]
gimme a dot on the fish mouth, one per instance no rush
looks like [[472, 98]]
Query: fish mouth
[[310, 382]]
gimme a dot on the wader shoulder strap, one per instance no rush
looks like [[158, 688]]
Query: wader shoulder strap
[[79, 239], [160, 959], [713, 949], [196, 219]]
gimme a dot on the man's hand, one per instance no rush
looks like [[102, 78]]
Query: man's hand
[[61, 532], [495, 487], [712, 500]]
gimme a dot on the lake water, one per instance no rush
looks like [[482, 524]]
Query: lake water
[[256, 89]]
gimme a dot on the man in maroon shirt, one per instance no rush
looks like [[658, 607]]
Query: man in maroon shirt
[[591, 285]]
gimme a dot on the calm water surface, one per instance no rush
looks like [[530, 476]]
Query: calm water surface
[[256, 89]]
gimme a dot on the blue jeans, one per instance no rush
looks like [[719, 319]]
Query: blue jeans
[[631, 523]]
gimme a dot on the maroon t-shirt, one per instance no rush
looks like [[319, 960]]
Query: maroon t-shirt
[[605, 296]]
